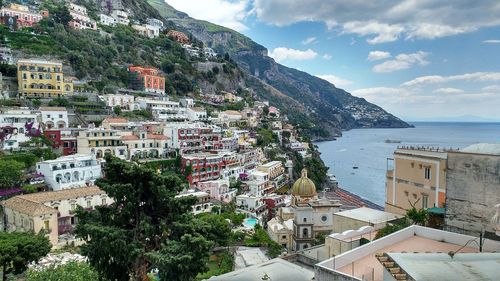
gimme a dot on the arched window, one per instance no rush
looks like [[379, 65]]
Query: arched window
[[305, 233], [305, 219]]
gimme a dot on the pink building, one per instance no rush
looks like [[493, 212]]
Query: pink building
[[218, 189], [24, 17]]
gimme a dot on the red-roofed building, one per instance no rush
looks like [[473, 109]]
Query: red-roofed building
[[151, 79]]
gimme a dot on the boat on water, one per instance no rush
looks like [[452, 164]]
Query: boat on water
[[392, 141], [355, 167]]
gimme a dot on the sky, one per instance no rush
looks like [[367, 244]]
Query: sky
[[418, 59]]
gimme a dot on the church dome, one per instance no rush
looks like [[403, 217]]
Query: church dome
[[304, 187]]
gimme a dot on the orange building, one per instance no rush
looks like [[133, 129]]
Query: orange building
[[152, 79], [178, 36]]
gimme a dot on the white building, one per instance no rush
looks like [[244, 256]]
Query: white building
[[187, 102], [155, 22], [6, 55], [54, 117], [147, 30], [162, 110], [252, 206], [107, 20], [16, 123], [204, 205], [196, 113], [71, 171], [125, 102], [80, 20], [120, 16]]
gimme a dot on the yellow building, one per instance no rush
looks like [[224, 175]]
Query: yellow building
[[43, 79], [418, 178]]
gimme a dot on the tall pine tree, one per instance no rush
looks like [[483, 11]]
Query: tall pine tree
[[145, 228]]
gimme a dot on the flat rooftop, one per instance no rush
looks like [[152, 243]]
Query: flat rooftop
[[463, 266], [275, 270], [422, 152], [414, 244], [483, 148], [362, 261], [368, 215]]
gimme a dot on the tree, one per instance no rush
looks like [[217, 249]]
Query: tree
[[145, 227], [37, 102], [17, 249], [417, 216], [72, 271], [117, 110], [11, 172], [219, 230], [61, 14]]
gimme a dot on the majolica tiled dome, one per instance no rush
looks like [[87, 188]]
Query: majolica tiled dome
[[304, 187]]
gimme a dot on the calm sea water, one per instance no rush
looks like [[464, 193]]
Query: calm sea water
[[366, 149]]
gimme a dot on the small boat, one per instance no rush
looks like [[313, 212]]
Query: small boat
[[355, 167], [392, 141]]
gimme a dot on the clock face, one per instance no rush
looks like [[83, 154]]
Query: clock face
[[324, 218]]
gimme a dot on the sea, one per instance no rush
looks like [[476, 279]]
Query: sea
[[368, 150]]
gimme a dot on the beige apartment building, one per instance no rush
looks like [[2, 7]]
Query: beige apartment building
[[418, 177], [51, 211]]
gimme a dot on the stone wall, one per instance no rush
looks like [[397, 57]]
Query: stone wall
[[472, 191], [323, 274]]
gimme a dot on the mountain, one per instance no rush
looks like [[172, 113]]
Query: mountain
[[332, 108]]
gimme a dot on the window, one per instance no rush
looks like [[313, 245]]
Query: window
[[324, 218], [73, 207], [104, 201], [46, 225], [425, 201], [305, 233], [305, 220], [427, 173], [60, 116], [89, 203], [283, 237]]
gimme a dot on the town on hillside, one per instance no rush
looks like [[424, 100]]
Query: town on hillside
[[151, 166]]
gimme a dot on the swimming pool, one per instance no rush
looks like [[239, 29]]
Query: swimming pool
[[250, 222]]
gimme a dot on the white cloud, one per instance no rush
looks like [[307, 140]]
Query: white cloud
[[491, 88], [335, 80], [378, 55], [389, 20], [281, 54], [471, 77], [230, 14], [327, 57], [448, 91], [384, 32], [492, 41], [308, 40], [402, 61]]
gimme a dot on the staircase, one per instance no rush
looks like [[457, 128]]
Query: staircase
[[392, 267]]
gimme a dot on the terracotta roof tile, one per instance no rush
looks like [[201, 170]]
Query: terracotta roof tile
[[129, 137], [157, 137], [116, 120], [42, 197], [28, 207], [52, 108]]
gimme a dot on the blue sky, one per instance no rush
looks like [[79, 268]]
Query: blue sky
[[418, 59]]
